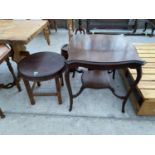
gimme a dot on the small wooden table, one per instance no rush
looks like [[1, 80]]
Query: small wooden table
[[102, 52], [19, 32]]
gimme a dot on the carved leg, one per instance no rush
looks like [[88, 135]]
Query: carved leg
[[46, 34], [133, 86], [67, 79], [13, 74], [19, 51], [29, 91], [2, 114]]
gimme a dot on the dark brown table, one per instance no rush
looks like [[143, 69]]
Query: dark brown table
[[102, 52]]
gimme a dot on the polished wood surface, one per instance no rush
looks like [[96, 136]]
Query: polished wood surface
[[41, 66], [19, 32], [102, 48]]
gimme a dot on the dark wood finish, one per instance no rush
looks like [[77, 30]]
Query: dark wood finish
[[102, 52], [64, 53], [96, 79], [39, 67]]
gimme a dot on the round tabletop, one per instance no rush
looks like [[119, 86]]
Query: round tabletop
[[41, 66]]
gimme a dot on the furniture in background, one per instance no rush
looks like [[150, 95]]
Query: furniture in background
[[151, 24], [5, 53], [19, 32], [39, 67], [53, 24], [80, 27], [110, 24], [102, 52], [70, 27]]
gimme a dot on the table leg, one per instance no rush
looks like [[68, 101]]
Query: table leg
[[47, 34], [67, 79], [1, 113], [133, 86], [19, 50]]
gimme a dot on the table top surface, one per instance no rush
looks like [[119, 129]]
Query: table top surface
[[20, 30], [41, 64], [111, 49]]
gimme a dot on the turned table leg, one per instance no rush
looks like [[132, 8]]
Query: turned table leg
[[47, 34], [16, 82], [19, 51]]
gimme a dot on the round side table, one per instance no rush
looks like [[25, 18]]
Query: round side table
[[42, 66]]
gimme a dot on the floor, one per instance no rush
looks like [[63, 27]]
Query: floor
[[94, 112]]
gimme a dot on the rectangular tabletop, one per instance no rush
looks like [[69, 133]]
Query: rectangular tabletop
[[102, 48], [20, 30]]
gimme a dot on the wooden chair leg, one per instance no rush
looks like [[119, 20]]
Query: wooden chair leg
[[1, 113], [29, 91], [13, 74], [58, 88]]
